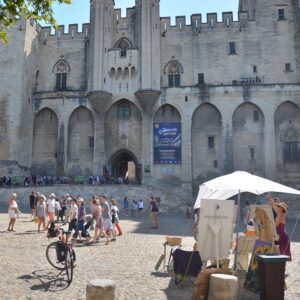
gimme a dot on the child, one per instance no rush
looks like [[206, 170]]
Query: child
[[13, 212], [114, 216]]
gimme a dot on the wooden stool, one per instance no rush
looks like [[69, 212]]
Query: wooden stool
[[223, 287], [171, 242]]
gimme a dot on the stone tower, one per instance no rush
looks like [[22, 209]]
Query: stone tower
[[101, 39], [147, 32], [248, 5]]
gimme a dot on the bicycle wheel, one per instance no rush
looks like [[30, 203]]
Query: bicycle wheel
[[52, 257], [69, 264]]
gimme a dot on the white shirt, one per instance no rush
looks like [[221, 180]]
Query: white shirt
[[51, 205], [57, 205], [116, 210], [73, 212], [141, 204]]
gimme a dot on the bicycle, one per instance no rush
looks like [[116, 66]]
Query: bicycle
[[61, 255]]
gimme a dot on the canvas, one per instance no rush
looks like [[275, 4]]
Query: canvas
[[215, 228]]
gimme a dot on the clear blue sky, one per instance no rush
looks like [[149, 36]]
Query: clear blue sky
[[78, 12]]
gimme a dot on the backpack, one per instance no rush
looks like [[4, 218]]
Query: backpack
[[61, 251]]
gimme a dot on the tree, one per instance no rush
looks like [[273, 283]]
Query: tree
[[12, 10]]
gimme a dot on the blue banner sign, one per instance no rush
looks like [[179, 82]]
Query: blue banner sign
[[167, 143]]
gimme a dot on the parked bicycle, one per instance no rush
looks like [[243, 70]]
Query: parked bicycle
[[60, 254]]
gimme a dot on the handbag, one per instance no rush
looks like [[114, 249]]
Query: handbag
[[36, 220]]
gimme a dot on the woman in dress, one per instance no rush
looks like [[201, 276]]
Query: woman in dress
[[281, 210], [41, 212], [97, 215], [12, 212]]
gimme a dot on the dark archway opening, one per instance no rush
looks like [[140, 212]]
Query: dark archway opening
[[125, 169]]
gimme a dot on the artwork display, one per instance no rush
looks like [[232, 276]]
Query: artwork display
[[167, 143], [264, 224], [215, 228], [252, 276]]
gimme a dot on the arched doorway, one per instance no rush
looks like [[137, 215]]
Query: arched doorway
[[125, 168]]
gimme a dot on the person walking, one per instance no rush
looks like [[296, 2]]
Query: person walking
[[32, 205], [81, 219], [13, 212], [41, 212], [154, 212], [97, 215], [115, 216], [68, 208], [140, 207], [106, 214], [73, 215], [58, 211]]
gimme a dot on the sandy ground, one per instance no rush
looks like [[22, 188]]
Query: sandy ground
[[130, 261]]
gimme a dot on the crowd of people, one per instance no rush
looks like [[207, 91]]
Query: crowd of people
[[37, 180], [73, 212]]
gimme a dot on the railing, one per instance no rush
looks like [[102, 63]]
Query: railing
[[249, 80], [26, 181]]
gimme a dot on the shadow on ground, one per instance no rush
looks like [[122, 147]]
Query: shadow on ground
[[46, 281], [143, 225]]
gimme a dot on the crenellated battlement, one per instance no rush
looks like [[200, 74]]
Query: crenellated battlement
[[61, 34], [130, 11], [197, 24]]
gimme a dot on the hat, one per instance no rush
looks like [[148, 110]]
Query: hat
[[283, 205], [52, 195], [43, 197], [80, 200]]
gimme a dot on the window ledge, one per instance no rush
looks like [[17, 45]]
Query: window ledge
[[232, 53], [288, 71]]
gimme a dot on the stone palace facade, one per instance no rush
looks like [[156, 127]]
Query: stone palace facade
[[175, 104]]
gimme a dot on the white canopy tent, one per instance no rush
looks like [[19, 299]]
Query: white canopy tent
[[226, 186]]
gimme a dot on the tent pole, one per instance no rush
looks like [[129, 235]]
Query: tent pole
[[237, 232]]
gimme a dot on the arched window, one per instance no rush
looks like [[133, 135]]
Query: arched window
[[124, 111], [119, 73], [173, 69], [112, 72], [126, 72], [61, 69], [61, 77], [133, 72], [123, 44]]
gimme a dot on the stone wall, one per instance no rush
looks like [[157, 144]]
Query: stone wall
[[172, 199]]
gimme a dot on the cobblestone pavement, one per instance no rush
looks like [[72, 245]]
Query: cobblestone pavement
[[130, 261]]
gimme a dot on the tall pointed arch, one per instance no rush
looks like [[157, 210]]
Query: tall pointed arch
[[206, 142], [248, 138], [287, 135], [45, 138], [81, 142]]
